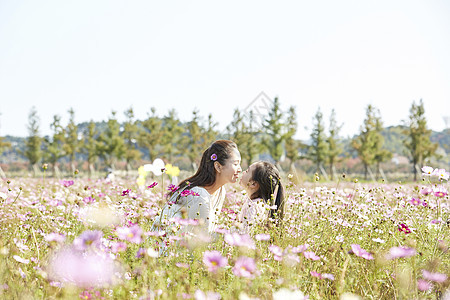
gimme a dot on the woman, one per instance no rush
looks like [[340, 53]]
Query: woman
[[265, 192], [199, 198]]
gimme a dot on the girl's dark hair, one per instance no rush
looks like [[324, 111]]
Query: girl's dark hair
[[219, 151], [268, 178]]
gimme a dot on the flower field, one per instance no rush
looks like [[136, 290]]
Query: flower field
[[91, 239]]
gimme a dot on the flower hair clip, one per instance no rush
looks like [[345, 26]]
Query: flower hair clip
[[214, 157]]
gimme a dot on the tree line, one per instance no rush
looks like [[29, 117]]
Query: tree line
[[168, 137]]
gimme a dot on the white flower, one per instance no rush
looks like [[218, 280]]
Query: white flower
[[285, 294], [379, 240]]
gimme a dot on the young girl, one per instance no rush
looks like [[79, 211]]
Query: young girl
[[199, 198], [265, 195]]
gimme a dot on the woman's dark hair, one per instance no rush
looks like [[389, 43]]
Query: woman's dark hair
[[268, 178], [219, 151]]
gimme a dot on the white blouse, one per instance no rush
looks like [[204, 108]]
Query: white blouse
[[205, 208]]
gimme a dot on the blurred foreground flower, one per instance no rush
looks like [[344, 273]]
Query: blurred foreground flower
[[214, 260], [89, 238], [245, 267], [89, 269], [358, 251], [399, 252], [436, 277], [131, 234], [200, 295], [285, 294]]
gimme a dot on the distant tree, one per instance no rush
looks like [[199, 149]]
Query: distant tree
[[4, 145], [71, 142], [367, 143], [111, 144], [318, 151], [90, 146], [381, 154], [251, 145], [172, 134], [54, 144], [151, 134], [33, 142], [291, 145], [130, 136], [210, 133], [418, 143], [334, 146], [195, 139], [236, 132], [274, 129]]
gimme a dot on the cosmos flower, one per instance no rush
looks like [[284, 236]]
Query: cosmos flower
[[132, 234], [423, 285], [262, 237], [67, 183], [427, 171], [442, 174], [403, 228], [84, 270], [436, 277], [152, 185], [415, 201], [399, 252], [89, 238], [358, 251], [214, 260], [440, 191], [311, 255], [245, 267], [235, 239], [55, 237]]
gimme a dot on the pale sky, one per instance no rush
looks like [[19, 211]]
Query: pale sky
[[99, 56]]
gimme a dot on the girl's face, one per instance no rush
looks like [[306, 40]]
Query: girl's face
[[232, 168], [247, 176]]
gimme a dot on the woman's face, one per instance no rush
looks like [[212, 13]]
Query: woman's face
[[232, 168], [247, 176]]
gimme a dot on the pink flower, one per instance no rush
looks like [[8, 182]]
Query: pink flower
[[262, 237], [424, 285], [440, 192], [300, 248], [214, 260], [132, 234], [172, 188], [415, 201], [399, 252], [67, 183], [235, 239], [89, 238], [311, 255], [426, 191], [402, 227], [358, 251], [126, 192], [118, 247], [55, 237], [152, 185], [21, 260], [322, 276], [436, 277], [84, 270], [276, 250], [245, 267], [200, 295]]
